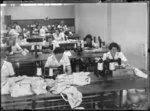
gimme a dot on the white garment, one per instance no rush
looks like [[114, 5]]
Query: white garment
[[13, 32], [38, 86], [74, 97], [59, 87], [18, 29], [59, 37], [5, 85], [117, 55], [64, 27], [6, 70], [16, 48], [42, 32], [81, 78], [20, 89], [140, 73], [52, 61]]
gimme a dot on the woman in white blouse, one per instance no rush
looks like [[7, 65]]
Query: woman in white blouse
[[115, 53], [6, 67], [131, 96], [14, 46], [58, 36], [89, 43], [57, 59]]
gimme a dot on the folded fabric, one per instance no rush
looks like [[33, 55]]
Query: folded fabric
[[74, 97], [140, 73], [59, 87], [5, 87], [81, 74], [38, 86], [19, 89], [81, 78], [49, 82], [123, 72]]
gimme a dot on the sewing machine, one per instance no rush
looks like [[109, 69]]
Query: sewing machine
[[37, 47], [53, 72], [107, 68], [78, 48], [47, 49]]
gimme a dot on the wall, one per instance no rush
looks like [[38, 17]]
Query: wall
[[91, 18], [40, 12], [124, 23], [129, 28]]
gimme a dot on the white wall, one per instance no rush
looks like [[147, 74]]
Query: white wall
[[91, 18], [129, 28], [40, 12], [124, 23]]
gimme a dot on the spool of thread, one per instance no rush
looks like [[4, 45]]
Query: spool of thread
[[50, 72], [82, 43], [75, 45], [112, 66], [39, 71], [100, 66], [32, 48]]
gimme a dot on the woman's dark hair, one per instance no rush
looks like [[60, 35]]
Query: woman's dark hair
[[58, 30], [58, 50], [114, 44], [48, 37], [88, 36]]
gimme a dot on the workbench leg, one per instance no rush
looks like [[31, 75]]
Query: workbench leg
[[120, 98]]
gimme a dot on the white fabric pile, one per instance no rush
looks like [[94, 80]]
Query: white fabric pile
[[63, 87], [23, 86], [81, 78], [38, 86], [74, 97], [140, 73]]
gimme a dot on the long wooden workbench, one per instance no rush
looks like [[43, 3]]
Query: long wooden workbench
[[24, 63], [31, 57], [97, 95]]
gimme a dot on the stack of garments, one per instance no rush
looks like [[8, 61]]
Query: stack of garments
[[63, 85]]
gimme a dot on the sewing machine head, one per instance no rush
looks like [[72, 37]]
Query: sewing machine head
[[53, 72], [107, 68]]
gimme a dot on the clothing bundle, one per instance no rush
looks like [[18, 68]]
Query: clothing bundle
[[63, 85], [23, 85]]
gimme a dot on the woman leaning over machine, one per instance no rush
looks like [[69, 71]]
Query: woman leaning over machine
[[57, 59], [131, 96], [14, 47]]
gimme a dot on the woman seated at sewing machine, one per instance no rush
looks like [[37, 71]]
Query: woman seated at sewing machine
[[6, 67], [35, 31], [49, 44], [57, 59], [131, 96], [89, 43], [115, 53], [14, 47], [58, 35]]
